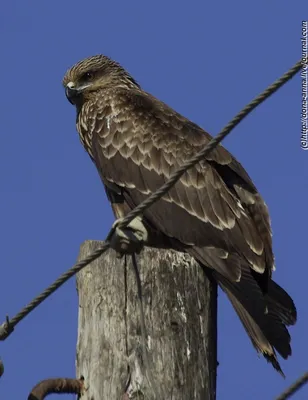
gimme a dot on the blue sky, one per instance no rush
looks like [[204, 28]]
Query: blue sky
[[205, 59]]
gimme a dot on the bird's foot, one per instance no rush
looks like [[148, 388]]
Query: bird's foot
[[130, 239]]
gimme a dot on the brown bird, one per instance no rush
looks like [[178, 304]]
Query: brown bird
[[214, 212]]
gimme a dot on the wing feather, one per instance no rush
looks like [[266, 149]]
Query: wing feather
[[137, 142]]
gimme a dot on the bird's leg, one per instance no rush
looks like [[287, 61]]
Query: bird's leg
[[130, 239]]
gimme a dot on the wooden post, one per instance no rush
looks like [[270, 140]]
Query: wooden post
[[180, 305]]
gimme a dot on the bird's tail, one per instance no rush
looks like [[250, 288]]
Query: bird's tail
[[264, 317]]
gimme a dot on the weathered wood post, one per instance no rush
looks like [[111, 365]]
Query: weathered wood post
[[180, 305]]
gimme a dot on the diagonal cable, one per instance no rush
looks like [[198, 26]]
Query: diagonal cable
[[7, 327], [294, 387]]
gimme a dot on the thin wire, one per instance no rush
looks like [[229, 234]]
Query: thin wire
[[294, 387], [7, 327], [148, 202]]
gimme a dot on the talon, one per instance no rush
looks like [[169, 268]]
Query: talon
[[130, 239]]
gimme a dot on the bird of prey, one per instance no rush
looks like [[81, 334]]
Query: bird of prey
[[214, 212]]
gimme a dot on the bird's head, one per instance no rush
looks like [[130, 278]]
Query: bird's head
[[92, 74]]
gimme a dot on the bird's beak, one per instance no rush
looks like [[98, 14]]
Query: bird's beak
[[71, 92]]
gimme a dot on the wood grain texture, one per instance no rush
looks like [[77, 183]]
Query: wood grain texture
[[180, 305]]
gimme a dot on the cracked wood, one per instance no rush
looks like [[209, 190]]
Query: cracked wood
[[180, 311]]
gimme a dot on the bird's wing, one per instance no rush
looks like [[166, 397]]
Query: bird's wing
[[138, 141]]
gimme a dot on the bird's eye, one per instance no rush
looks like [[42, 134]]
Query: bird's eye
[[87, 76]]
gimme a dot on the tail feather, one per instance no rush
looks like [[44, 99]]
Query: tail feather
[[279, 300], [264, 317], [254, 331]]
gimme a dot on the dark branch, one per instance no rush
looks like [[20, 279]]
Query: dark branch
[[58, 385]]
